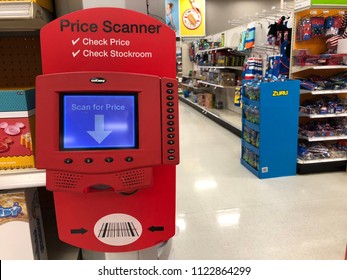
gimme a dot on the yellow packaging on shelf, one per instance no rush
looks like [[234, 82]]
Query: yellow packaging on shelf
[[46, 4]]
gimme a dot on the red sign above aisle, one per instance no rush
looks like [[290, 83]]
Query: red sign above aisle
[[110, 40]]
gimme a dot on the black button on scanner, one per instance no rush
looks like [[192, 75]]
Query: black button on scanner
[[171, 157], [169, 85], [129, 159], [68, 161], [170, 129], [169, 97], [109, 159], [170, 117], [170, 91], [170, 104], [171, 135], [171, 142], [171, 151], [170, 123], [88, 160]]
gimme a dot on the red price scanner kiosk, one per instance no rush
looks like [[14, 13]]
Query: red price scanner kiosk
[[107, 128]]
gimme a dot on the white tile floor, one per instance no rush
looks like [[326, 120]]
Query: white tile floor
[[225, 212]]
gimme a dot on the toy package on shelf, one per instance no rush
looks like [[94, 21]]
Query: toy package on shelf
[[21, 229], [320, 27], [222, 58], [330, 128], [251, 113], [328, 27], [252, 90], [302, 57], [317, 26], [323, 150], [332, 25], [222, 77], [325, 105], [250, 36], [251, 136], [205, 44], [227, 78], [247, 38], [251, 158], [204, 99], [209, 100], [17, 129], [273, 66], [228, 58], [316, 82]]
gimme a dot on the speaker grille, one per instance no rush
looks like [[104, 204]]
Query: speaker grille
[[132, 178], [66, 180]]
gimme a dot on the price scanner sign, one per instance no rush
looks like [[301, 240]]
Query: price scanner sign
[[107, 128]]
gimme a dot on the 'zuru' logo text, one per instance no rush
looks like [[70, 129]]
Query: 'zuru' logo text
[[280, 93]]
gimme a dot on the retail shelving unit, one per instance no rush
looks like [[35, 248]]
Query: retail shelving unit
[[215, 85], [20, 60], [269, 130], [213, 64], [179, 68], [20, 57], [331, 160]]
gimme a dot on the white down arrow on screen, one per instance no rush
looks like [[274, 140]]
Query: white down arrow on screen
[[99, 134]]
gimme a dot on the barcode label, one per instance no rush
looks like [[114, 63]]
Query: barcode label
[[265, 170], [118, 230]]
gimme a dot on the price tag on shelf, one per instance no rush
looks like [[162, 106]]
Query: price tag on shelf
[[301, 4]]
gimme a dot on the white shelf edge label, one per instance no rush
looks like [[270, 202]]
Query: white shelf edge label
[[300, 4]]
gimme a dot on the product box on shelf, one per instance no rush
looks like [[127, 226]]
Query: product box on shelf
[[227, 79], [17, 100], [17, 129], [201, 99], [21, 228], [209, 104]]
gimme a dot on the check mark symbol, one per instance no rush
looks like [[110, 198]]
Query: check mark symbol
[[74, 54], [74, 42]]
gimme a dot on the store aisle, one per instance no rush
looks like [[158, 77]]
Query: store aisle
[[225, 212]]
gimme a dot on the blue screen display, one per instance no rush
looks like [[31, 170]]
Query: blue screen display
[[98, 121]]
